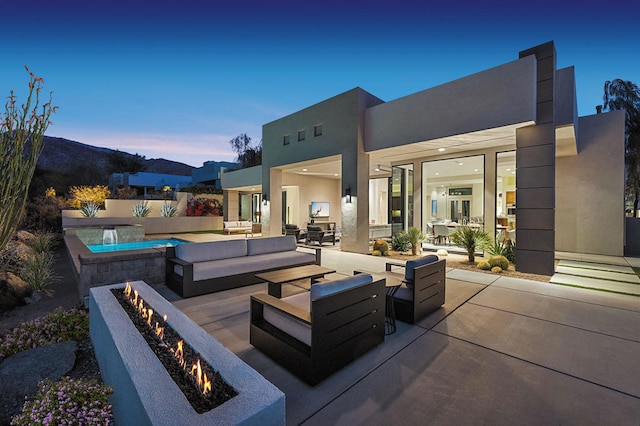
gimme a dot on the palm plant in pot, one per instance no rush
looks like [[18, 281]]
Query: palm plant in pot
[[470, 239], [415, 236]]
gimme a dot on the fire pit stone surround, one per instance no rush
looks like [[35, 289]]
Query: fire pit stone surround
[[144, 393]]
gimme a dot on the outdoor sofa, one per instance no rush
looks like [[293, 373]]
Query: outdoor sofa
[[314, 334], [193, 269], [237, 226]]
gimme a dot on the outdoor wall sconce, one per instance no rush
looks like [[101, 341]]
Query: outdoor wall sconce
[[265, 198], [347, 194]]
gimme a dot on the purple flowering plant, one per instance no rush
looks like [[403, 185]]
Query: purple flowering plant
[[59, 326], [67, 402]]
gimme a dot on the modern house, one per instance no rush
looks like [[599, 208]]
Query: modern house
[[503, 148]]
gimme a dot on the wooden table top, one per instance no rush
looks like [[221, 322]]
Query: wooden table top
[[296, 273]]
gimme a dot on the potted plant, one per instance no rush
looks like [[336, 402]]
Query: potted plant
[[415, 236], [470, 239]]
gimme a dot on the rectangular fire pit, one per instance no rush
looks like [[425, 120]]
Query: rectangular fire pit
[[145, 394]]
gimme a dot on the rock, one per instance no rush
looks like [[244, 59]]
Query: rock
[[13, 290], [24, 236], [21, 372]]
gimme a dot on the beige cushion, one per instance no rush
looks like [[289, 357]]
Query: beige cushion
[[292, 326]]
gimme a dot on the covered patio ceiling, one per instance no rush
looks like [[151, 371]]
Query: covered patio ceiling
[[331, 167]]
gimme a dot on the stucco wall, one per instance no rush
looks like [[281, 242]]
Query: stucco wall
[[496, 97], [589, 216], [314, 189]]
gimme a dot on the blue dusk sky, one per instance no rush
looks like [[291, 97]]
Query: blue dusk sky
[[179, 79]]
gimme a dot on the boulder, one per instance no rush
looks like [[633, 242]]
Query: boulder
[[21, 372], [13, 291]]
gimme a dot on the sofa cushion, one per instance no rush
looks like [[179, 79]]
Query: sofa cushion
[[249, 264], [201, 252], [325, 289], [412, 264], [292, 326], [271, 245]]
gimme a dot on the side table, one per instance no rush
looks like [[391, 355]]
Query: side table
[[391, 287]]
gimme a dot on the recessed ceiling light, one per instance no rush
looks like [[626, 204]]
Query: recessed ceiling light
[[441, 149], [304, 170], [253, 189], [460, 163], [476, 170], [508, 170], [437, 174], [335, 174]]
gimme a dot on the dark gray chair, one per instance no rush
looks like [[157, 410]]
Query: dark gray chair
[[422, 290], [316, 333], [291, 229], [320, 235]]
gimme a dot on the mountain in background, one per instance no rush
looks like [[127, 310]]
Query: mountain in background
[[62, 155]]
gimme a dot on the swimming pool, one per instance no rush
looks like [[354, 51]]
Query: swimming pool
[[137, 245]]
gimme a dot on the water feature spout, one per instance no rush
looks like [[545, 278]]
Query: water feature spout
[[109, 236]]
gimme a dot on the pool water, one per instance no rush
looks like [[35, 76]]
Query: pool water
[[137, 245]]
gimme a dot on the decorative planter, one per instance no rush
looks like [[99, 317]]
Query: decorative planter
[[145, 394]]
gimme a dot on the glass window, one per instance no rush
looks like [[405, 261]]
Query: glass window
[[285, 140], [452, 193], [301, 135], [506, 195], [317, 130]]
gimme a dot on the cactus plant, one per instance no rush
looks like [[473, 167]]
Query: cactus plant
[[484, 266], [500, 261], [382, 246]]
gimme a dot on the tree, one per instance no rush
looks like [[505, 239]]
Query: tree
[[22, 130], [621, 94], [247, 156], [121, 162]]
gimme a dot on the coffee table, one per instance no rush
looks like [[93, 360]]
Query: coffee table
[[275, 279]]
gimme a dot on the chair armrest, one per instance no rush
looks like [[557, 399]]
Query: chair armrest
[[282, 306], [179, 261], [388, 265], [317, 250]]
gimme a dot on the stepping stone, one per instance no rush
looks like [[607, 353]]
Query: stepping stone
[[599, 274], [595, 283], [597, 266]]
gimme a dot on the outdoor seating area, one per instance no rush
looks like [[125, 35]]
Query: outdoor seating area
[[491, 334]]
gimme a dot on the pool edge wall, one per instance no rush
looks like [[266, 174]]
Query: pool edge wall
[[144, 393], [99, 269]]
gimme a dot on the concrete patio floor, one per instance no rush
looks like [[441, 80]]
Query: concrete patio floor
[[500, 351]]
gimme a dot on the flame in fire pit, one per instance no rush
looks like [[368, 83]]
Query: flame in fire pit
[[202, 381]]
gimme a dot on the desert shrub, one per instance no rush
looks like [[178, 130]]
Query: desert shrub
[[496, 269], [37, 271], [484, 266], [128, 193], [81, 195], [141, 209], [168, 210], [89, 210], [41, 242], [400, 242], [500, 261], [504, 248], [382, 246], [376, 253]]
